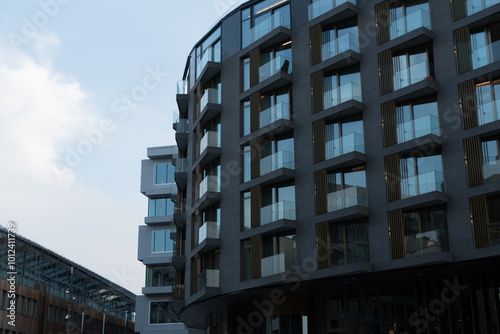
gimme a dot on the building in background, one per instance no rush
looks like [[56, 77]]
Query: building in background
[[340, 169], [55, 295], [160, 250]]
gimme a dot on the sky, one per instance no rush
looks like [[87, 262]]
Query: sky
[[85, 88]]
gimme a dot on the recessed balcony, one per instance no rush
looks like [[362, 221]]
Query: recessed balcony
[[281, 159], [278, 19], [485, 55], [412, 74], [348, 197], [275, 113], [491, 171], [277, 264], [210, 105], [353, 142], [422, 184], [278, 64], [488, 112], [475, 6], [417, 19], [209, 278], [426, 242], [344, 93], [342, 44], [209, 184], [277, 211], [320, 7], [418, 127], [209, 230], [209, 63], [209, 147]]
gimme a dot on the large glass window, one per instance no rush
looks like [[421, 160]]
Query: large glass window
[[164, 173], [158, 312], [416, 119], [411, 66], [160, 207], [344, 136], [349, 243], [342, 86], [247, 211], [277, 153], [278, 254], [346, 188], [162, 242], [339, 37], [485, 45], [475, 6], [160, 276], [409, 15], [420, 175], [246, 73], [246, 118], [491, 160], [425, 231], [488, 101]]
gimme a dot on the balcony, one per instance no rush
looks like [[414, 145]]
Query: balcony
[[422, 184], [475, 6], [345, 198], [209, 278], [181, 134], [319, 7], [494, 229], [282, 159], [418, 19], [209, 184], [277, 211], [426, 242], [278, 64], [485, 55], [210, 139], [179, 218], [211, 96], [277, 264], [278, 19], [274, 113], [209, 230], [491, 171], [343, 43], [209, 64], [180, 174], [344, 93], [182, 96], [412, 74], [349, 143], [488, 112], [357, 251], [418, 127]]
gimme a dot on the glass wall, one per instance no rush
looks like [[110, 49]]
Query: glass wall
[[349, 243], [158, 312], [160, 207], [160, 276], [488, 101], [161, 241], [485, 45], [164, 173]]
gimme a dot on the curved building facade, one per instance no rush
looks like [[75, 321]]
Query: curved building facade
[[338, 169]]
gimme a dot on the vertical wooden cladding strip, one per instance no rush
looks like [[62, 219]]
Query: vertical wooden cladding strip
[[320, 190], [393, 177], [316, 41], [459, 9], [254, 66], [396, 234], [254, 112], [319, 140], [473, 161], [256, 244], [317, 91], [255, 158], [479, 220], [255, 193], [463, 49], [389, 123], [382, 21], [322, 245], [468, 104], [385, 72]]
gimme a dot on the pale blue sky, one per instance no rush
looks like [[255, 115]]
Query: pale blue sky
[[66, 67]]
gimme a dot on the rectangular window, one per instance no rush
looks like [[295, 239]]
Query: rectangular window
[[246, 118], [158, 312], [164, 173], [160, 276], [246, 73], [337, 311], [491, 160], [425, 231], [485, 45], [488, 101], [161, 241], [247, 163], [247, 211], [160, 207], [349, 243], [346, 188]]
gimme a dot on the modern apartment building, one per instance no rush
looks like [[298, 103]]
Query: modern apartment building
[[43, 292], [338, 169]]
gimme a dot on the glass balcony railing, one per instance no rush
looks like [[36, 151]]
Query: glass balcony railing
[[427, 242], [212, 95], [485, 55], [346, 92], [349, 143], [211, 138], [210, 183], [278, 19], [357, 251], [488, 112], [211, 54], [412, 74], [182, 87], [422, 183], [277, 211], [208, 230], [280, 63], [281, 159], [209, 278], [410, 22], [320, 7], [180, 165], [345, 42], [494, 233], [491, 171], [475, 6], [277, 264], [418, 127], [182, 126], [346, 198], [276, 112]]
